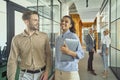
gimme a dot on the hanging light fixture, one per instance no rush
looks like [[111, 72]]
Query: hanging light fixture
[[86, 3]]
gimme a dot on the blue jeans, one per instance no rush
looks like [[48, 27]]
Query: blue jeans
[[104, 57]]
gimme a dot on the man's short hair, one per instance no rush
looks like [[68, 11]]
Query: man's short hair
[[90, 28], [27, 14]]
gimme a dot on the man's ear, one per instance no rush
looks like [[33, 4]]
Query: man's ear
[[26, 22]]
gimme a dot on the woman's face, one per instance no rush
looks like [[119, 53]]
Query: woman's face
[[65, 24], [107, 32], [104, 33]]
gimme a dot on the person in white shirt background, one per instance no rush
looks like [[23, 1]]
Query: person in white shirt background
[[106, 41]]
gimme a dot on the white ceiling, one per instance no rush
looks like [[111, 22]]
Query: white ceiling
[[87, 14]]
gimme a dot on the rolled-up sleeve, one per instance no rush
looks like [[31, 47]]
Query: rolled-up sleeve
[[80, 52]]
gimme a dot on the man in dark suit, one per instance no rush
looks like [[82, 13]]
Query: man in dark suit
[[90, 48]]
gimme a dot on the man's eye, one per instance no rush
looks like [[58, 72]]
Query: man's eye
[[66, 21], [62, 20]]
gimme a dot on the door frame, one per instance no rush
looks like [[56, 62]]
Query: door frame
[[11, 8]]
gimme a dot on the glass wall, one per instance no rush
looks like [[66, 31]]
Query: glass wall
[[114, 19], [115, 30], [113, 43], [104, 19], [118, 8], [49, 11], [3, 40], [3, 32], [113, 10]]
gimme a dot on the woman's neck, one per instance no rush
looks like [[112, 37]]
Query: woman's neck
[[63, 31]]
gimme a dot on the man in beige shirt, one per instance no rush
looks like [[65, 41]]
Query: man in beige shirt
[[33, 49]]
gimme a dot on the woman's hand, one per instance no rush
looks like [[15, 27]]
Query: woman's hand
[[106, 51], [65, 49]]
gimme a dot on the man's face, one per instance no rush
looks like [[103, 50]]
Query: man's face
[[90, 31], [33, 22]]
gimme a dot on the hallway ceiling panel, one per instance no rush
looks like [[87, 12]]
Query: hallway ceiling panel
[[87, 14]]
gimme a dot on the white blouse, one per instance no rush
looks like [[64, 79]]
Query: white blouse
[[106, 40]]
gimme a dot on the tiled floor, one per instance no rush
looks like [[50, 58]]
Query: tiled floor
[[98, 66]]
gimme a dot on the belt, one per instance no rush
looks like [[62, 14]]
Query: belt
[[34, 71]]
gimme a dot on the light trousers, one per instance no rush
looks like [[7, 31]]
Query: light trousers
[[30, 76], [105, 61], [63, 75], [104, 57]]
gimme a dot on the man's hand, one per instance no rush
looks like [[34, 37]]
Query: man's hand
[[44, 76], [93, 50]]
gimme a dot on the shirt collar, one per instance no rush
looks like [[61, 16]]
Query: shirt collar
[[90, 34], [107, 35], [65, 33], [25, 33]]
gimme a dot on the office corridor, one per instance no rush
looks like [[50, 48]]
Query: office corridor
[[98, 66]]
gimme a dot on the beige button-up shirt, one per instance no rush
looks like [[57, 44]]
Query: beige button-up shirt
[[34, 53]]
